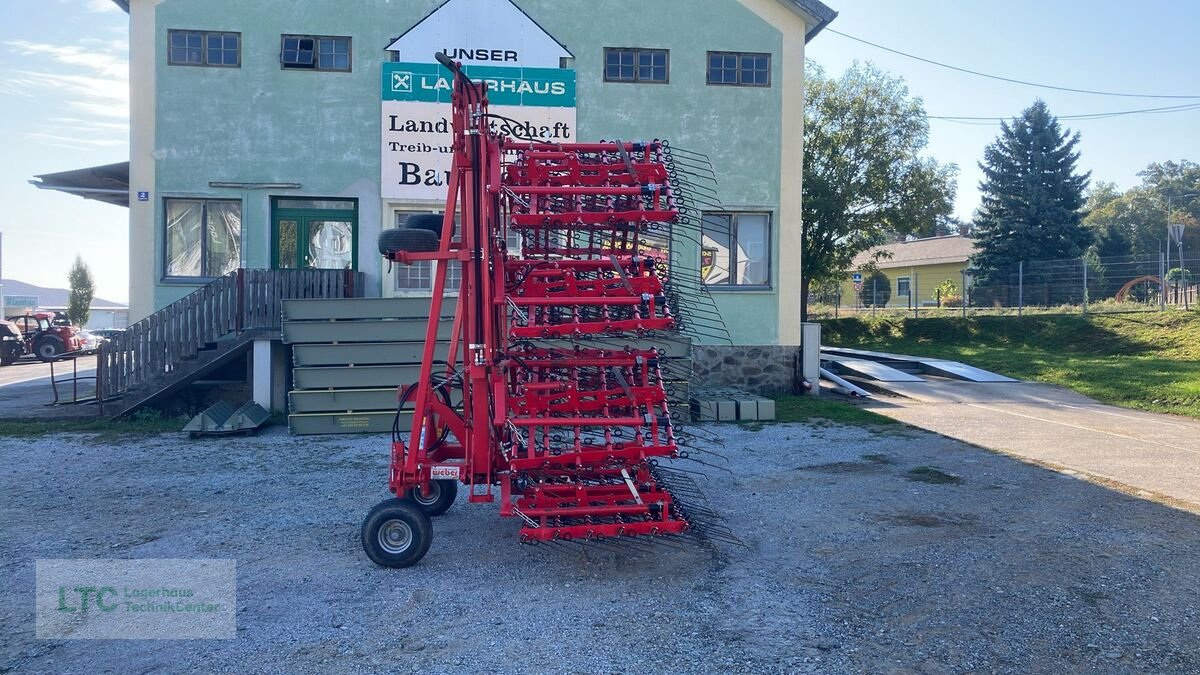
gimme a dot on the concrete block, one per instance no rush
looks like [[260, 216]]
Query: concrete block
[[704, 411], [766, 409], [747, 409], [726, 411]]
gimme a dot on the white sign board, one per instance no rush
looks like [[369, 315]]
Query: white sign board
[[481, 32], [498, 44]]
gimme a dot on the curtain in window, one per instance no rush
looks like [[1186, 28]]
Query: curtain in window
[[183, 248], [224, 238], [715, 248], [752, 239]]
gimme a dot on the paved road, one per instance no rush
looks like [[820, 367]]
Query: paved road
[[1145, 453], [25, 389]]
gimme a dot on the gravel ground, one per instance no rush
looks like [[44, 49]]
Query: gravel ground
[[877, 551]]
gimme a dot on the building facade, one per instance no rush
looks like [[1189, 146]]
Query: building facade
[[289, 133], [925, 272]]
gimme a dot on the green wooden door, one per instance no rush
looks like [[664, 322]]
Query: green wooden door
[[314, 234]]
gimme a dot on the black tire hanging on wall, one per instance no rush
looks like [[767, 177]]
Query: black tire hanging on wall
[[404, 239], [425, 221]]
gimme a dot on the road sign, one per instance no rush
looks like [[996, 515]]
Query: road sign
[[857, 278], [857, 286], [1176, 230]]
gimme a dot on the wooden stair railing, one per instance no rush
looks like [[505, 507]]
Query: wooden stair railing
[[149, 355]]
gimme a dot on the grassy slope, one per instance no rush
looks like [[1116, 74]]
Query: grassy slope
[[1148, 361]]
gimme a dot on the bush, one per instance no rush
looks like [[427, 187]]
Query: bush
[[876, 289]]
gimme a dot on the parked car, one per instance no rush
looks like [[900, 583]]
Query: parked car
[[48, 334], [12, 343], [108, 333], [90, 342]]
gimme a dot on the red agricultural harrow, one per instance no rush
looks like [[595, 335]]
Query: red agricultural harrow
[[552, 392]]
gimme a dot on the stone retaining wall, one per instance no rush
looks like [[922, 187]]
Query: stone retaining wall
[[763, 370]]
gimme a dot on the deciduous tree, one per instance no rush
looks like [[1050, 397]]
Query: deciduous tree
[[82, 288], [1134, 222], [864, 177]]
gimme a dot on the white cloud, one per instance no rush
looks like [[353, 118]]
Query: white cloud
[[101, 6], [76, 143], [85, 87]]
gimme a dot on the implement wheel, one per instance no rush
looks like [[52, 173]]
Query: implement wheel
[[425, 221], [396, 533], [413, 241], [440, 499]]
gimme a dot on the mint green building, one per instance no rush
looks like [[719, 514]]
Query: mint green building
[[262, 137]]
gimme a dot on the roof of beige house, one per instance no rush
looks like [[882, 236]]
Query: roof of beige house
[[929, 251]]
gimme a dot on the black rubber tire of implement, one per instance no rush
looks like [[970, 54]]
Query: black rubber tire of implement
[[397, 516], [425, 221], [442, 494], [404, 239]]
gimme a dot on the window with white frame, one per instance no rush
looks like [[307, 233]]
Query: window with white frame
[[418, 277], [735, 250]]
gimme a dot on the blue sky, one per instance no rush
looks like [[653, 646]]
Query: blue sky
[[1147, 47], [64, 99], [64, 104]]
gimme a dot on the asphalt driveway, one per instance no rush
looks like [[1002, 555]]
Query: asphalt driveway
[[1148, 454]]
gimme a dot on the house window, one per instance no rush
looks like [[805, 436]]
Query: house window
[[735, 249], [202, 48], [902, 286], [636, 65], [418, 277], [314, 52], [203, 237], [739, 69]]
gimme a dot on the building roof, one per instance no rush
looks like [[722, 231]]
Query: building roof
[[108, 183], [929, 251], [123, 4], [815, 9]]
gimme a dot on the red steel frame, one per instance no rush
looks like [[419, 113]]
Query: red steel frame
[[568, 432]]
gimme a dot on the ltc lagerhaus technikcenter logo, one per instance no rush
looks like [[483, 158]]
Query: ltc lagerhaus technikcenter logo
[[146, 599]]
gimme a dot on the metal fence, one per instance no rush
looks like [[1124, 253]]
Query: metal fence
[[1075, 285]]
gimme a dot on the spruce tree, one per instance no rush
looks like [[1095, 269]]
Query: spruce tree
[[1033, 198]]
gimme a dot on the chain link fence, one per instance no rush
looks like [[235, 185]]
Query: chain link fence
[[1075, 285]]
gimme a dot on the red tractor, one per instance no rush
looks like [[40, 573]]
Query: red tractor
[[46, 335]]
